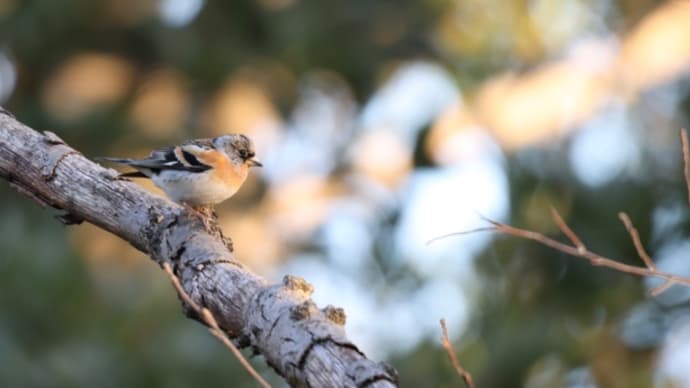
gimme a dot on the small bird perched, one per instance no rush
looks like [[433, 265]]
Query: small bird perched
[[198, 173]]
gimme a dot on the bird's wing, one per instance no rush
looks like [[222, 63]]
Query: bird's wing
[[179, 158]]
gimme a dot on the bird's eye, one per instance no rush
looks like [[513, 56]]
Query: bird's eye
[[243, 154]]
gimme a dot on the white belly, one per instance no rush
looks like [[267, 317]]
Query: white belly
[[197, 189]]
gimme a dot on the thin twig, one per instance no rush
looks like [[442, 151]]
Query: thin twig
[[558, 220], [686, 159], [445, 341], [584, 253], [635, 236], [484, 229], [180, 291], [578, 249], [658, 290], [593, 258], [215, 330]]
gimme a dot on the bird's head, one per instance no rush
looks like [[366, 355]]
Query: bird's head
[[239, 148]]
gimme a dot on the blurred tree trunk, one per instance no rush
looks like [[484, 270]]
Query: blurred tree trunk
[[304, 344]]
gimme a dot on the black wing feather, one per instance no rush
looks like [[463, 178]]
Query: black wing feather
[[160, 160], [171, 161]]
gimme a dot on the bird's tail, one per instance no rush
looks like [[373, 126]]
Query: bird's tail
[[113, 160], [133, 174], [140, 173]]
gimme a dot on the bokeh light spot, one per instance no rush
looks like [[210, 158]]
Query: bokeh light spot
[[603, 148], [179, 13]]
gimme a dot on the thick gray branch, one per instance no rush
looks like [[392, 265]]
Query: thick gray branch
[[304, 344]]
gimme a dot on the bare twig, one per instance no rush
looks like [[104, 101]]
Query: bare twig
[[686, 159], [567, 231], [484, 229], [578, 249], [445, 341], [215, 330], [593, 258], [635, 236], [598, 260], [658, 290]]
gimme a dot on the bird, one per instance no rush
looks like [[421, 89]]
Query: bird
[[198, 173]]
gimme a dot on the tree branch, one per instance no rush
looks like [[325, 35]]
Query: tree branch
[[304, 344], [686, 159], [445, 342], [649, 270], [578, 249]]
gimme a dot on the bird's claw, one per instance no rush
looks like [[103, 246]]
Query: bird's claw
[[208, 217]]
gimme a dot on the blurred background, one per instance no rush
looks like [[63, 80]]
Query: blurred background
[[381, 125]]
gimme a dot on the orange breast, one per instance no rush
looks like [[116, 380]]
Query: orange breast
[[223, 169]]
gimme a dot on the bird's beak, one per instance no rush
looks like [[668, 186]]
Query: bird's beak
[[254, 163]]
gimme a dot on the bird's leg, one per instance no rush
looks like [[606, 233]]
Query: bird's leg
[[206, 211], [215, 228], [207, 215]]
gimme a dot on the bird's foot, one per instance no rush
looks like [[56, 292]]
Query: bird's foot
[[209, 218], [207, 215]]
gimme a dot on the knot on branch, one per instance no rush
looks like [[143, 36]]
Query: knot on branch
[[364, 372], [283, 317], [297, 284], [335, 314], [302, 311]]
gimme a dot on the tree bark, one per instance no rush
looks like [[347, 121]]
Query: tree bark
[[304, 344]]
